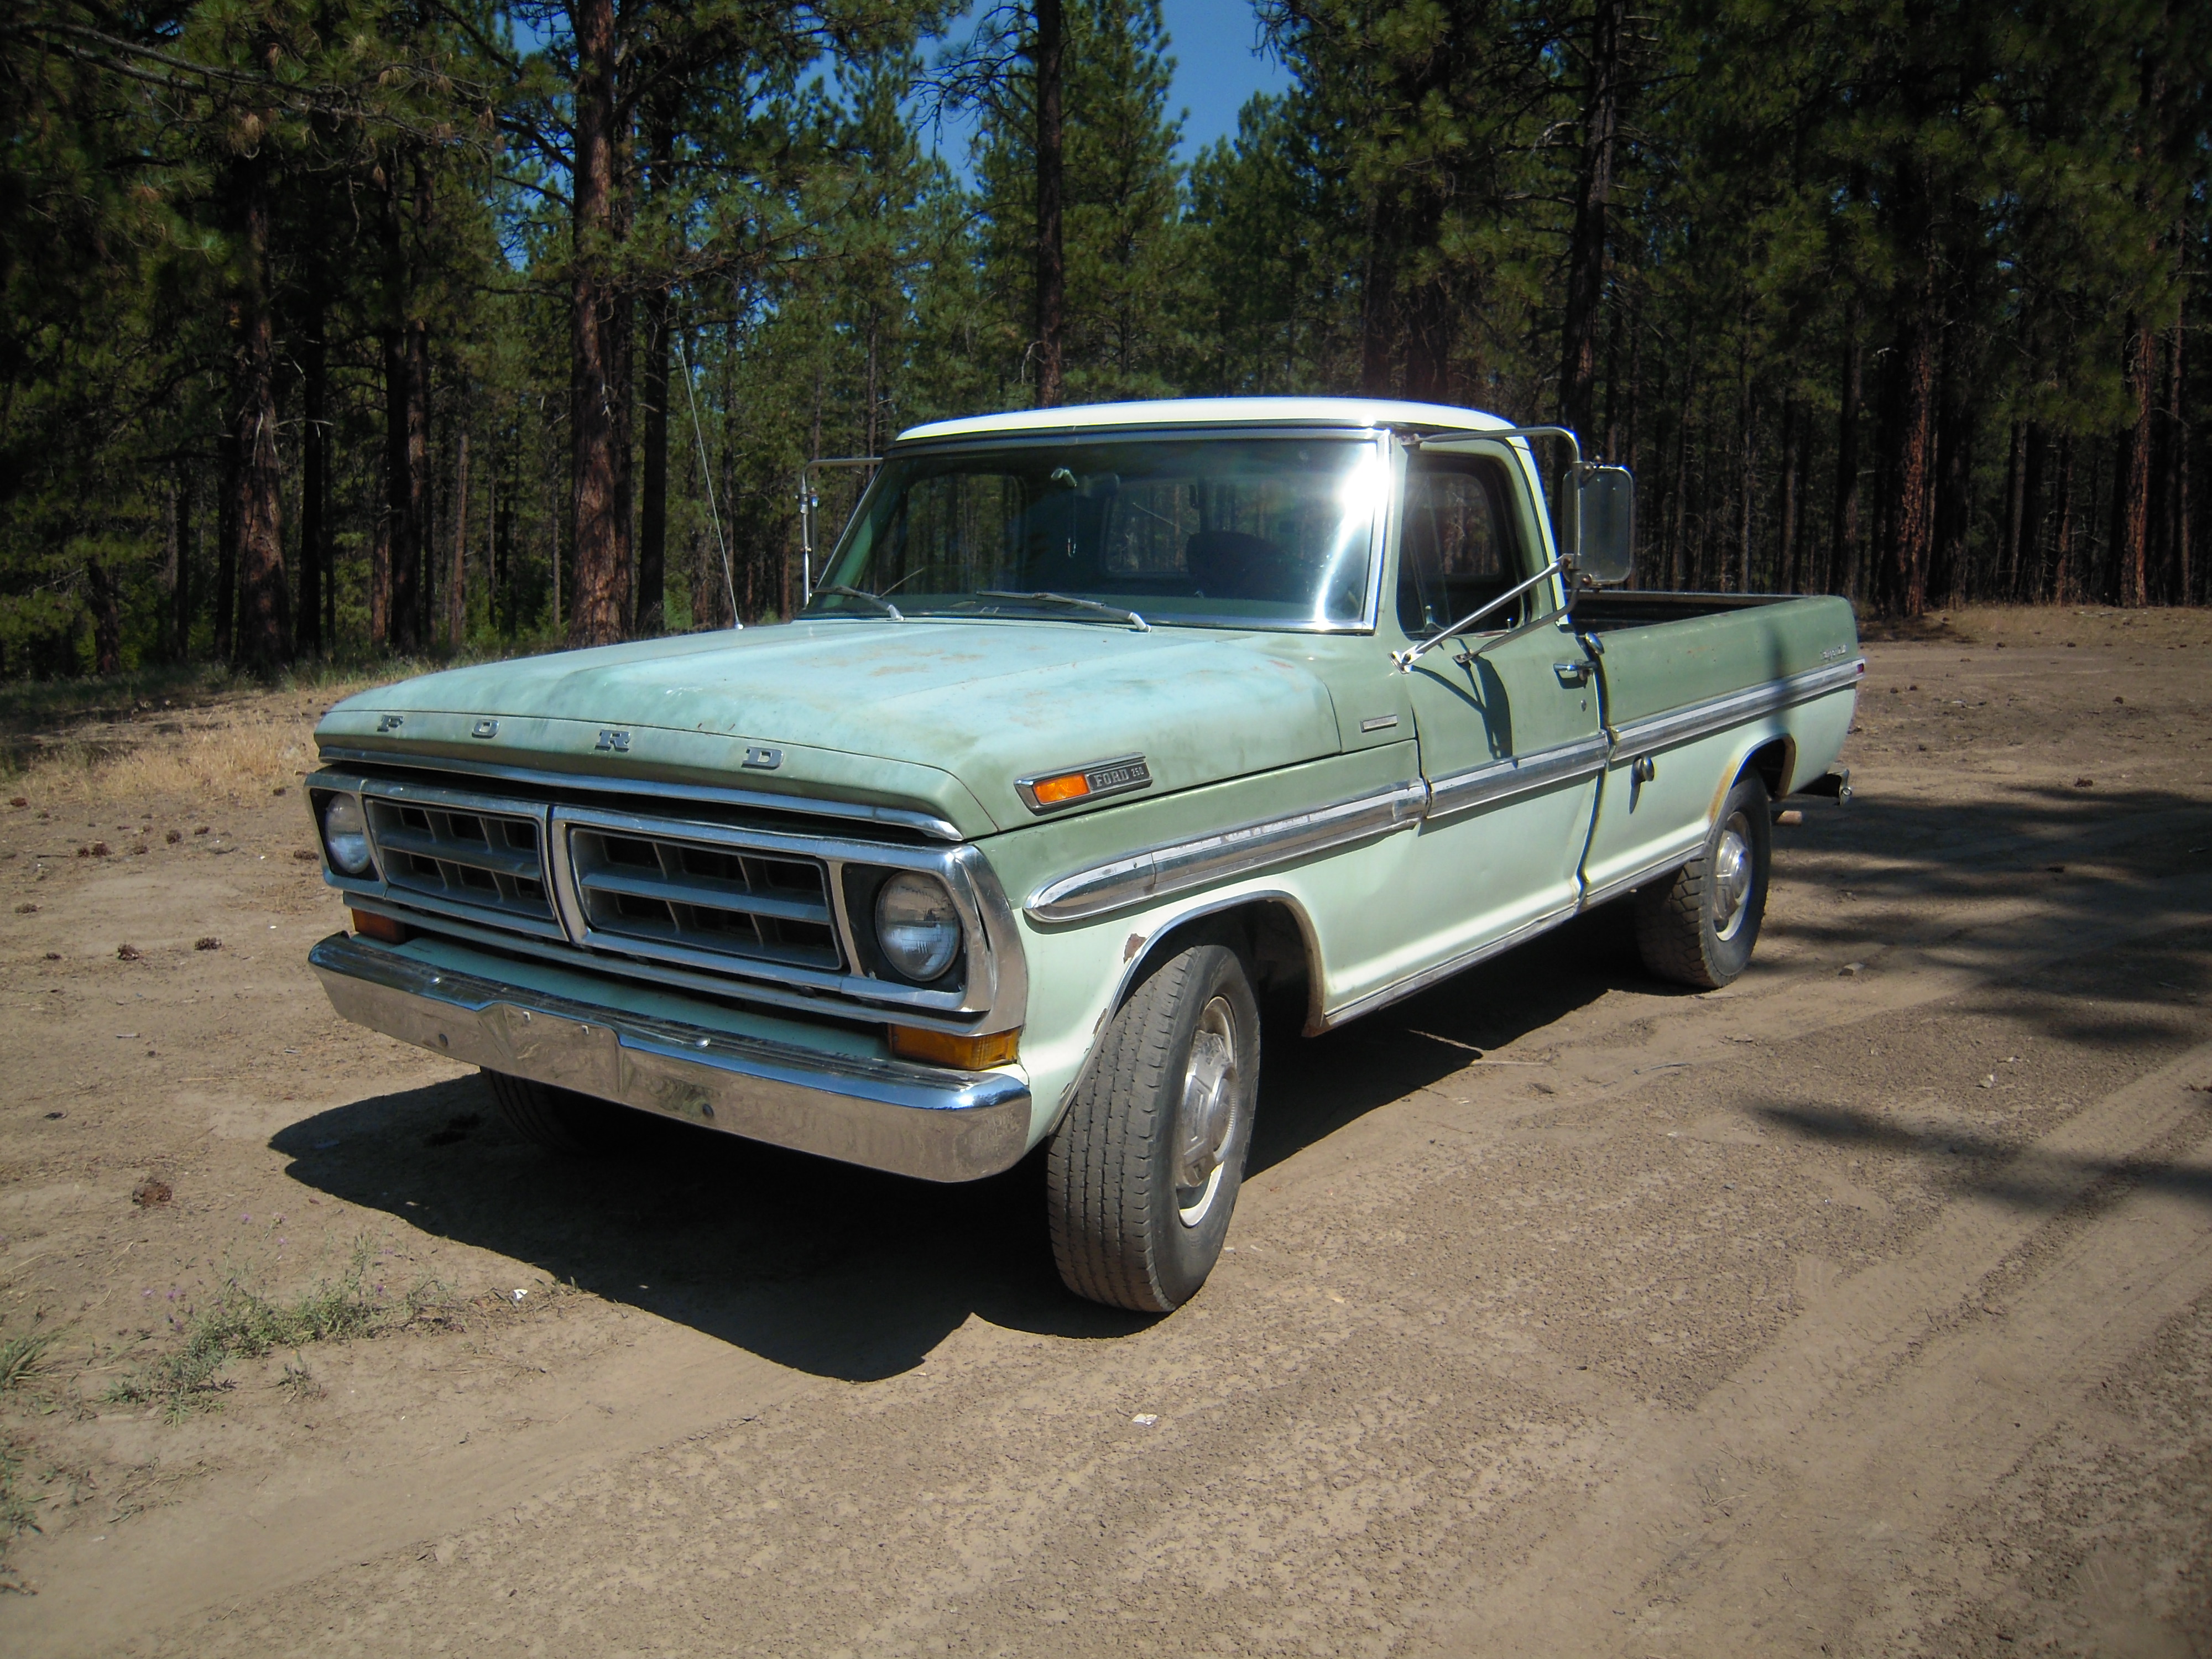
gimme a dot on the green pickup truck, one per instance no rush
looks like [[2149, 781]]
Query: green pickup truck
[[1101, 725]]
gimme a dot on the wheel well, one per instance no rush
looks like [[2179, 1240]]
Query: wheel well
[[1773, 762], [1272, 933]]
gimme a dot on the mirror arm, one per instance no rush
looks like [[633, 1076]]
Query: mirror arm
[[1413, 653]]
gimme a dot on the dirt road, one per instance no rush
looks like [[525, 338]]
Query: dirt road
[[1865, 1308]]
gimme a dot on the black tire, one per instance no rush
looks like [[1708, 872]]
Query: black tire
[[1698, 927], [1130, 1225], [561, 1120]]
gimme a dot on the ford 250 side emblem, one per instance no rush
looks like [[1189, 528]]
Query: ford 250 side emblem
[[613, 742]]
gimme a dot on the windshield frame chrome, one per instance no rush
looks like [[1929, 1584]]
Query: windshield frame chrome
[[1384, 440]]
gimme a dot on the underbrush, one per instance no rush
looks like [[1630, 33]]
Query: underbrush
[[241, 1322]]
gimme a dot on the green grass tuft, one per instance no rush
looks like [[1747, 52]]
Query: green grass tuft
[[242, 1323]]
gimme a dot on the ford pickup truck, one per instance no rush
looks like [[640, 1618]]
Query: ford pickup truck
[[1101, 725]]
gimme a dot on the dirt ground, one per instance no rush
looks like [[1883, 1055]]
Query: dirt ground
[[1864, 1308]]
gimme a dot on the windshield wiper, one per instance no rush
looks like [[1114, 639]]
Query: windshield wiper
[[1091, 606], [876, 600]]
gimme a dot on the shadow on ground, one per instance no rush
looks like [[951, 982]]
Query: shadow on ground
[[844, 1272]]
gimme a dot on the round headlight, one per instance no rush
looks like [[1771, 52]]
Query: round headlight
[[345, 832], [916, 926]]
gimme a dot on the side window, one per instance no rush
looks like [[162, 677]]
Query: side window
[[1458, 549]]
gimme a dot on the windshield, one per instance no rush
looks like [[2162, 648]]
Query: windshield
[[1248, 532]]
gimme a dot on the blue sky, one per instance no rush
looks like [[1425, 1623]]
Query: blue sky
[[1217, 68]]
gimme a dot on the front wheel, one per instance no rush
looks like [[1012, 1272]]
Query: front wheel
[[1144, 1169], [561, 1120], [1698, 927]]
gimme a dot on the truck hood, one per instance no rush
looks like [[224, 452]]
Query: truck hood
[[938, 717]]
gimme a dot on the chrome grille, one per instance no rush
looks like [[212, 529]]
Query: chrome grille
[[484, 862], [710, 900]]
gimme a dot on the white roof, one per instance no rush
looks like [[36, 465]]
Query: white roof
[[1216, 411]]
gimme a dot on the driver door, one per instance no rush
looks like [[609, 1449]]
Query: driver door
[[1507, 719]]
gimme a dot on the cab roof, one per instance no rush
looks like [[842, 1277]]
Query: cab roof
[[1213, 411]]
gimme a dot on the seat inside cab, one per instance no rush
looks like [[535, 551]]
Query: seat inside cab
[[1458, 549]]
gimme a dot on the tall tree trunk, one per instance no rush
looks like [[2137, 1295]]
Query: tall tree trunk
[[1844, 556], [106, 607], [652, 516], [225, 540], [2063, 575], [2034, 566], [1949, 577], [2131, 520], [314, 481], [1908, 531], [1786, 532], [1586, 243], [264, 609], [180, 590], [1748, 448], [2171, 584], [1047, 57], [457, 575], [2007, 572], [600, 603]]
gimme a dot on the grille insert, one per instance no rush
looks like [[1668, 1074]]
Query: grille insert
[[656, 890], [487, 861]]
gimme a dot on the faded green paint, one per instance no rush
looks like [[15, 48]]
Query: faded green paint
[[1237, 727]]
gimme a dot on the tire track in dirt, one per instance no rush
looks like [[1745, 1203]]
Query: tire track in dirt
[[1815, 1476]]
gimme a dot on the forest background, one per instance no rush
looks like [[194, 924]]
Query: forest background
[[336, 328]]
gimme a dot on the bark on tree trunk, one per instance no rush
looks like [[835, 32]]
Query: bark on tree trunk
[[263, 640], [2132, 522], [1586, 244], [106, 608], [180, 592], [457, 575], [600, 602], [1909, 515], [314, 482], [1843, 557], [2062, 577], [1048, 50], [225, 540], [652, 516], [1949, 576], [2015, 482], [1786, 532]]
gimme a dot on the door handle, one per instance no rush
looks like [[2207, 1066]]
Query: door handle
[[1572, 673]]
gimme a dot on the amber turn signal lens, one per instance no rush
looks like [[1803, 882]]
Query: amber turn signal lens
[[969, 1053], [381, 927], [1069, 786]]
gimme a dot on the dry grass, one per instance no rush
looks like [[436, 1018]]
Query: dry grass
[[237, 751], [244, 747]]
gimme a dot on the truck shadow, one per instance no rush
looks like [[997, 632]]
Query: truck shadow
[[845, 1273]]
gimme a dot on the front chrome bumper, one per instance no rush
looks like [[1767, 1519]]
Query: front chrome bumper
[[885, 1113]]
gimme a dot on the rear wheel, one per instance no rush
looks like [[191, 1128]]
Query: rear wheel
[[1698, 927], [561, 1120], [1145, 1170]]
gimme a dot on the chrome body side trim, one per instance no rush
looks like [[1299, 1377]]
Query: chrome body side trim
[[1594, 897], [1417, 983], [1701, 720], [1481, 786], [892, 1115], [809, 806], [1178, 867]]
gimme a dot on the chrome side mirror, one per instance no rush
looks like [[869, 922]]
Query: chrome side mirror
[[1605, 523]]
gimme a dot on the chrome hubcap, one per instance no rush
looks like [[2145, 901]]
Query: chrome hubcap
[[1207, 1116], [1732, 876]]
